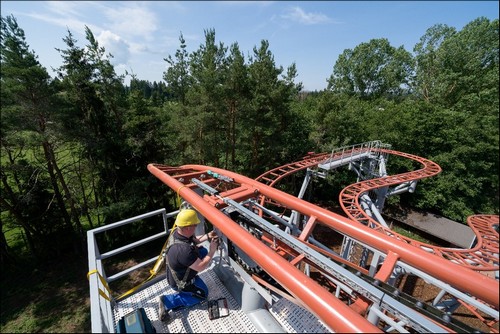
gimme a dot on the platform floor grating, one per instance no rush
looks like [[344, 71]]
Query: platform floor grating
[[293, 318], [191, 320], [296, 319]]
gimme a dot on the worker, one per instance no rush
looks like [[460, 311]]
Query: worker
[[184, 259]]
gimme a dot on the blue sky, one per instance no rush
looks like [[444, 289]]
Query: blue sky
[[311, 34]]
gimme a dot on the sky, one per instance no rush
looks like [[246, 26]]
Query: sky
[[311, 34]]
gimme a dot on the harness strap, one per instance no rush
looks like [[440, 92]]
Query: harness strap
[[181, 284]]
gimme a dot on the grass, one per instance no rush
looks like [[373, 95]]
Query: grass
[[47, 298]]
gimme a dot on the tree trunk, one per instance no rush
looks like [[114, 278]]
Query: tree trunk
[[5, 256], [55, 186], [74, 213]]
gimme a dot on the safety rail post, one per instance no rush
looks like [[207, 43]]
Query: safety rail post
[[331, 156], [100, 309]]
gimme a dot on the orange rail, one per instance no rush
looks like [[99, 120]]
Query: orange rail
[[274, 175], [332, 311], [457, 276], [484, 256]]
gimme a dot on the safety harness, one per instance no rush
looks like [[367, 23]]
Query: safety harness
[[181, 283]]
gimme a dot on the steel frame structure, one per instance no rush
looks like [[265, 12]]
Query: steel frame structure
[[363, 298]]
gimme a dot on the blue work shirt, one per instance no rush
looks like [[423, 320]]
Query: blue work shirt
[[180, 257]]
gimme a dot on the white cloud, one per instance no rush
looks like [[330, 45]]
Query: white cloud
[[132, 20], [124, 28], [138, 48], [115, 45], [64, 8], [66, 14], [297, 14], [66, 22]]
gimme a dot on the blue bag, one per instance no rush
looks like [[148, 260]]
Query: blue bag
[[183, 299], [135, 322]]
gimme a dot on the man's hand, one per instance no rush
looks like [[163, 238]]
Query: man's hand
[[212, 234], [214, 241], [214, 244]]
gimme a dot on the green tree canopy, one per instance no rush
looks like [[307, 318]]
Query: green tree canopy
[[372, 70]]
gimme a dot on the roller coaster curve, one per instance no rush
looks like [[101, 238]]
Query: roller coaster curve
[[451, 269], [484, 256]]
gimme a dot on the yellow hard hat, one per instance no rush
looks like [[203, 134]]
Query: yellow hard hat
[[187, 217]]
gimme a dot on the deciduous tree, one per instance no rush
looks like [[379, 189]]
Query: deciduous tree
[[372, 70]]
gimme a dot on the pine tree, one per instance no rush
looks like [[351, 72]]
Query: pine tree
[[29, 117]]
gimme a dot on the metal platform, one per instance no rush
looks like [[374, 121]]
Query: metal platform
[[293, 318], [190, 320], [296, 319]]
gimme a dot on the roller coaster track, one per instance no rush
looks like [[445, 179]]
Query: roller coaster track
[[282, 255], [482, 257], [279, 258], [272, 176]]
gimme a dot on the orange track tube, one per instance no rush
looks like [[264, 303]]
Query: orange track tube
[[457, 276], [333, 312]]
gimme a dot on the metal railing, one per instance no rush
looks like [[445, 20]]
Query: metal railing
[[101, 300], [368, 147]]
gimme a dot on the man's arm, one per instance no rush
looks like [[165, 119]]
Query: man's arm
[[202, 264], [208, 236]]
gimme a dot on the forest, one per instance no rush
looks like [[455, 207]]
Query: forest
[[74, 147]]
